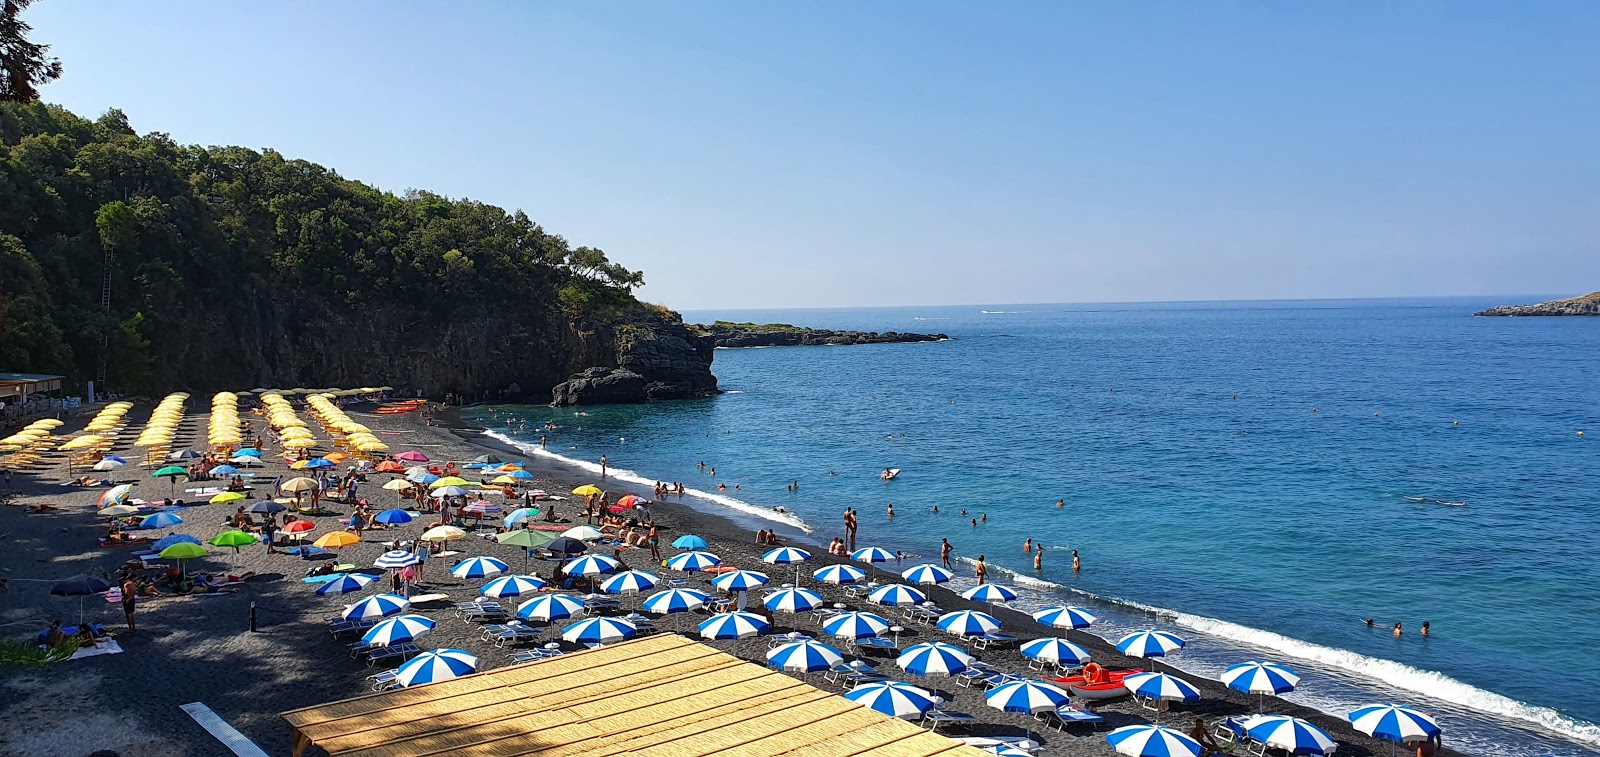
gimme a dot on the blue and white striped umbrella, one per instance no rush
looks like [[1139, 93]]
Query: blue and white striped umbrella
[[674, 600], [967, 623], [1152, 741], [934, 658], [896, 595], [398, 629], [733, 625], [1393, 722], [160, 520], [792, 600], [436, 665], [512, 586], [1161, 686], [785, 556], [927, 574], [1260, 678], [377, 606], [989, 593], [393, 517], [1149, 644], [1027, 697], [740, 580], [1005, 750], [689, 541], [633, 581], [689, 562], [479, 567], [839, 574], [591, 565], [550, 607], [1055, 650], [171, 539], [1292, 734], [599, 631], [346, 583], [892, 698], [855, 625], [872, 555], [805, 656], [396, 558], [519, 515], [1058, 616]]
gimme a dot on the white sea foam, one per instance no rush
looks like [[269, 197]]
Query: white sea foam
[[1402, 676], [1019, 579], [623, 474]]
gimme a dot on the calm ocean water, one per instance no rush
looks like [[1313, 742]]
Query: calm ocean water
[[1236, 471]]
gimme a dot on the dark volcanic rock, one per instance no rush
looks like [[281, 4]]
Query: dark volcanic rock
[[1588, 304], [599, 386], [659, 359], [783, 335]]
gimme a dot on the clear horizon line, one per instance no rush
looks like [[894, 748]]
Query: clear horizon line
[[1513, 300]]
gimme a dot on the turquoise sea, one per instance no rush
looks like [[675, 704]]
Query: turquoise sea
[[1237, 472]]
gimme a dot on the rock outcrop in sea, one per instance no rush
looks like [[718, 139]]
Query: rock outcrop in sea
[[727, 334], [657, 359], [1588, 304]]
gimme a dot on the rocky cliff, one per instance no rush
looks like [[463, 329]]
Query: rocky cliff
[[1588, 304], [725, 334], [654, 359]]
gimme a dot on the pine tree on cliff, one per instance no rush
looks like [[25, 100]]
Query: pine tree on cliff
[[24, 65]]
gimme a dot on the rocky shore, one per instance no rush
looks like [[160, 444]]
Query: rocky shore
[[730, 335], [1588, 304]]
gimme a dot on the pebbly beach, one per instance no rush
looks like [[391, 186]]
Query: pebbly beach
[[201, 647]]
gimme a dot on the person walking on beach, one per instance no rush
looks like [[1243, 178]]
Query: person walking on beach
[[130, 590], [944, 553], [268, 527], [981, 571]]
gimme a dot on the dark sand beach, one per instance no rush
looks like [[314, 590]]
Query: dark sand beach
[[200, 648]]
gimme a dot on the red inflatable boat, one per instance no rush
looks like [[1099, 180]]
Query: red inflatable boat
[[1110, 687]]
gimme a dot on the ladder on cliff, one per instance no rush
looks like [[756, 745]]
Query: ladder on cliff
[[105, 312]]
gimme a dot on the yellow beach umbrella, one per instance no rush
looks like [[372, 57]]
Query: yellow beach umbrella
[[449, 481], [398, 485], [504, 480], [299, 443], [226, 497], [587, 490], [298, 485], [83, 441], [336, 539], [443, 533], [373, 447]]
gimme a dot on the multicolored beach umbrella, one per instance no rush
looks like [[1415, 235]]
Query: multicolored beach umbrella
[[346, 584], [989, 593], [792, 600], [1059, 616], [1150, 643], [674, 600], [1162, 687], [689, 541], [436, 665], [599, 631], [689, 562], [896, 595], [785, 556], [872, 555], [512, 586], [855, 625], [1027, 697], [1393, 722], [804, 656], [967, 623], [393, 517], [591, 565], [740, 580], [839, 574], [1293, 735], [927, 574], [398, 630], [395, 559], [478, 567], [733, 625], [377, 606], [1057, 651], [1152, 741], [892, 698], [550, 608], [934, 658], [1260, 678], [630, 582]]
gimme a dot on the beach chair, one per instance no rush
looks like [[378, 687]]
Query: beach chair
[[384, 681], [517, 634], [935, 718], [401, 651], [992, 638], [485, 612], [340, 627], [1063, 717]]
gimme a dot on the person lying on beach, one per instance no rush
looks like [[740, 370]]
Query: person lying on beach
[[42, 508]]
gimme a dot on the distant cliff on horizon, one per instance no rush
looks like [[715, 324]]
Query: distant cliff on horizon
[[1588, 304], [732, 335]]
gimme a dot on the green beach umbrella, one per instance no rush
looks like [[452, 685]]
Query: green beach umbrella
[[171, 473], [235, 539], [527, 539], [184, 552]]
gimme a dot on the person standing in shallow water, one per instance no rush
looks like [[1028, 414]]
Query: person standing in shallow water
[[981, 571], [1038, 558], [602, 466], [1027, 546], [944, 552], [1076, 563]]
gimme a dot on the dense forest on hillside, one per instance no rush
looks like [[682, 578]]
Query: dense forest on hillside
[[233, 267]]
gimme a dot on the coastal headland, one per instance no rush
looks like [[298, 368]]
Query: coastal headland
[[1588, 304]]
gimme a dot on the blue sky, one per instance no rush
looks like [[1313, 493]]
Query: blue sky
[[884, 153]]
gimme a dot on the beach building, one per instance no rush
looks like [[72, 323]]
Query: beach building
[[662, 694]]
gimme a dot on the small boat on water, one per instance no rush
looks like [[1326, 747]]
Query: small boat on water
[[1111, 688]]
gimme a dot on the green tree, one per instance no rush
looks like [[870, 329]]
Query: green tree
[[24, 65]]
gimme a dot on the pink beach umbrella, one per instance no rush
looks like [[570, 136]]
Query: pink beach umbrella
[[412, 456]]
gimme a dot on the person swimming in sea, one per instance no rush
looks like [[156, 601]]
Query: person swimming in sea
[[1061, 503], [891, 509], [1397, 629], [1027, 546], [1076, 564], [934, 509]]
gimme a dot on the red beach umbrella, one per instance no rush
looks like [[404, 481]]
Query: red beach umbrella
[[629, 501]]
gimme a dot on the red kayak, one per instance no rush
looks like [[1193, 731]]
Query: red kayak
[[1110, 689]]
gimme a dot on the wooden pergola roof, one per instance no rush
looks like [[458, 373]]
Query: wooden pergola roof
[[662, 695]]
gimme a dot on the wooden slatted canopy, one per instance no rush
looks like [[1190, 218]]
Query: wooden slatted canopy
[[661, 695]]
